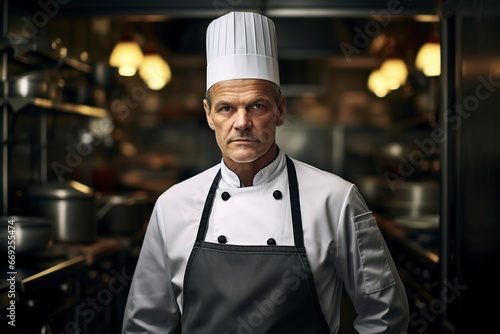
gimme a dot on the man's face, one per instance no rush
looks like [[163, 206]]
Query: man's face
[[244, 115]]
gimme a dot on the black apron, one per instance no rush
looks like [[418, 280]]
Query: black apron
[[231, 289]]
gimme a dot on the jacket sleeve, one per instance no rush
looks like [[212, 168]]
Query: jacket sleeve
[[151, 306], [368, 271]]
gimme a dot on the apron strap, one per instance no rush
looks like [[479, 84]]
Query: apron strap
[[202, 230], [293, 185]]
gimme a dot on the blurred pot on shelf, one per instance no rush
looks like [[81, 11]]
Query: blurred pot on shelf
[[25, 235], [123, 213], [72, 207], [411, 198], [40, 84]]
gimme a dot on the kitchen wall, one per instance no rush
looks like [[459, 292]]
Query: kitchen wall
[[324, 89]]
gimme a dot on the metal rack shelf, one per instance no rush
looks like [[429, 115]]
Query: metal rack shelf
[[18, 104], [40, 54]]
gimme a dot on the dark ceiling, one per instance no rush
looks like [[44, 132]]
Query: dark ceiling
[[214, 8], [306, 29], [298, 37]]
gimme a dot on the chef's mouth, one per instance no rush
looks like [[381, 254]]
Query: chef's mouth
[[243, 140]]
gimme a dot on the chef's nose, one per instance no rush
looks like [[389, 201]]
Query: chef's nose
[[243, 119]]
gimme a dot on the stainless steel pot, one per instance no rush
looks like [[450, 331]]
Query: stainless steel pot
[[411, 198], [72, 207], [423, 228], [418, 223], [123, 214], [25, 235], [34, 84]]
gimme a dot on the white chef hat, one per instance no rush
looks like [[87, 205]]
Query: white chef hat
[[241, 45]]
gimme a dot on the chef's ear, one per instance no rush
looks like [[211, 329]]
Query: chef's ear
[[208, 114], [282, 111]]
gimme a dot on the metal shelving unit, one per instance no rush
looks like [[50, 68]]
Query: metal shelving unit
[[33, 54], [18, 104]]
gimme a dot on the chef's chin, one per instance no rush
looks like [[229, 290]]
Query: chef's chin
[[249, 153], [243, 157]]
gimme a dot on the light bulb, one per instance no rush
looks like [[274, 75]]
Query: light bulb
[[395, 72], [127, 56], [155, 71], [428, 59], [377, 83]]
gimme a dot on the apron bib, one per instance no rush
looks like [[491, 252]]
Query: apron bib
[[231, 289]]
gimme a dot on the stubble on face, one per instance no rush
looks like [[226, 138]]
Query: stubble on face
[[244, 115]]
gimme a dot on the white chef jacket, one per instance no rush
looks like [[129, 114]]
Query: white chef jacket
[[343, 244]]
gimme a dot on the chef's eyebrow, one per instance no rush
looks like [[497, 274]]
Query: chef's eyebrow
[[257, 100], [220, 104], [262, 100]]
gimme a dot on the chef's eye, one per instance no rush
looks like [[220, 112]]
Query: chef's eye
[[225, 109], [258, 106]]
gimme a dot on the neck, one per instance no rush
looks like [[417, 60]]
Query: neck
[[246, 171]]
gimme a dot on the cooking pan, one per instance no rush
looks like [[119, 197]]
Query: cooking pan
[[418, 223], [123, 213], [34, 84], [25, 235], [70, 204], [411, 198], [424, 228]]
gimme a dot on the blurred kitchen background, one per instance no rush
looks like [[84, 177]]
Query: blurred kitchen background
[[398, 97]]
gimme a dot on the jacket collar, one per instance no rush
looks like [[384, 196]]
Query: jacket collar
[[268, 173]]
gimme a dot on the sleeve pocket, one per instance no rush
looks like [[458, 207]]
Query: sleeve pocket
[[377, 274]]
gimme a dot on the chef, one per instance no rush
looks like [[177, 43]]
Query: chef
[[261, 242]]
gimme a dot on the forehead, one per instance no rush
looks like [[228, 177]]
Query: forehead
[[242, 89]]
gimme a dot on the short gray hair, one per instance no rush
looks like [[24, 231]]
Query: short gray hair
[[277, 94]]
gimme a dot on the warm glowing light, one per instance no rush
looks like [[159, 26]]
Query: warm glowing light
[[377, 83], [395, 72], [127, 56], [429, 59], [155, 71], [426, 18]]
